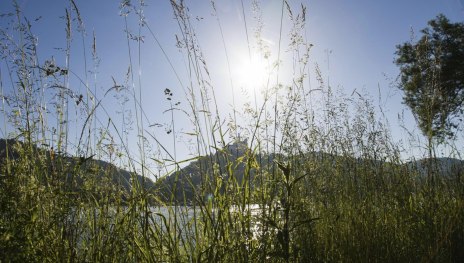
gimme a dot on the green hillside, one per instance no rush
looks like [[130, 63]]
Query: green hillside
[[73, 174]]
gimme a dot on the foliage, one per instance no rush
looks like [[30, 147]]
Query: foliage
[[310, 185], [432, 77]]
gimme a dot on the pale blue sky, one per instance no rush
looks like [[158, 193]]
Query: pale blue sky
[[361, 36]]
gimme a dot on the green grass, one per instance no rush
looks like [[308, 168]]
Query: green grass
[[330, 182]]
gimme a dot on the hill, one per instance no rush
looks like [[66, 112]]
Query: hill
[[197, 180], [199, 176], [71, 172]]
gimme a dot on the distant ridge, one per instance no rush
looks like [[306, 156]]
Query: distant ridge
[[199, 173], [445, 166], [68, 165]]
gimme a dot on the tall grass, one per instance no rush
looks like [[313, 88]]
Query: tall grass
[[314, 182]]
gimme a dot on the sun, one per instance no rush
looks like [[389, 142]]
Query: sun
[[252, 71]]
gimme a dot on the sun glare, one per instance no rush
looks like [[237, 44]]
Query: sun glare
[[252, 72]]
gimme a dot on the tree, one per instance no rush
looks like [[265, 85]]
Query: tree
[[432, 78]]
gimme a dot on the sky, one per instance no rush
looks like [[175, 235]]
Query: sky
[[353, 45]]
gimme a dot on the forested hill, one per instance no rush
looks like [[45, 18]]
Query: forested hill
[[73, 173], [195, 182]]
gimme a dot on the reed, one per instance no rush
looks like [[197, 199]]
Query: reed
[[312, 183]]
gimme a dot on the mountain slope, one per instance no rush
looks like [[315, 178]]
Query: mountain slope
[[77, 174], [198, 179]]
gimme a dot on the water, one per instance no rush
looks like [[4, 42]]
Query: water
[[186, 218]]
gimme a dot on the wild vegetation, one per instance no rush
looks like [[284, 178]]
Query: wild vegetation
[[312, 183], [432, 78]]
